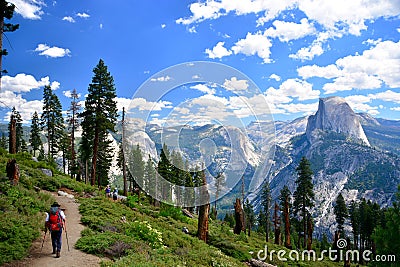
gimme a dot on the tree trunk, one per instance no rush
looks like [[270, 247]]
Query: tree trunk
[[12, 170], [239, 226], [86, 172], [310, 229], [287, 224], [13, 136], [347, 259], [72, 164], [304, 224], [63, 159], [277, 225], [94, 159], [123, 155], [334, 245], [202, 227], [203, 222]]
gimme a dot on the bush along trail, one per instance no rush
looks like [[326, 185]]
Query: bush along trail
[[42, 256]]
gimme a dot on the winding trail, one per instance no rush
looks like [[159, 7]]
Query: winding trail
[[73, 257]]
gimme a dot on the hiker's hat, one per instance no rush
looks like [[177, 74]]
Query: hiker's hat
[[55, 204]]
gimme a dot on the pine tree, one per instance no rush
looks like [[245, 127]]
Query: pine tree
[[229, 219], [24, 146], [104, 159], [354, 213], [3, 141], [52, 121], [137, 169], [85, 149], [261, 221], [250, 216], [164, 168], [341, 213], [219, 183], [122, 154], [303, 195], [41, 156], [99, 118], [266, 204], [35, 140], [7, 12], [149, 178], [189, 193], [64, 147], [73, 124], [16, 132], [178, 172], [285, 200]]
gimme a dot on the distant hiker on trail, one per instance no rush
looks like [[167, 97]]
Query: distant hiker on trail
[[55, 222], [115, 194], [108, 191]]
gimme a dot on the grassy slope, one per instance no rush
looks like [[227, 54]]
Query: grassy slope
[[22, 208], [147, 237], [129, 243]]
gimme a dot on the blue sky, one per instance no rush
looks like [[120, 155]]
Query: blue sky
[[295, 51]]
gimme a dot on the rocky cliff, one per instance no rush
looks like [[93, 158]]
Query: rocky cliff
[[335, 115]]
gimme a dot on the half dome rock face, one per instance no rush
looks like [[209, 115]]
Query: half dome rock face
[[335, 115]]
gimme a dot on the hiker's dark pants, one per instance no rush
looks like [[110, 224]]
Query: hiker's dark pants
[[56, 240]]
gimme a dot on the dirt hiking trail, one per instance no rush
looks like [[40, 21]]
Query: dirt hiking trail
[[73, 257]]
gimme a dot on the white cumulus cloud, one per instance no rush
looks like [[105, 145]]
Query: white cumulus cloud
[[142, 104], [53, 52], [218, 51], [236, 85], [374, 67], [254, 44], [22, 83], [29, 9], [83, 15], [69, 19], [287, 31], [275, 77], [203, 88]]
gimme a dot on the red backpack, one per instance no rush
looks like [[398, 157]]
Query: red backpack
[[55, 219]]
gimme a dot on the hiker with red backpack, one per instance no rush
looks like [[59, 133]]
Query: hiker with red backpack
[[55, 222]]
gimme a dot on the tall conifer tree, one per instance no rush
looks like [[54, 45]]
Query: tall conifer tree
[[341, 213], [52, 121], [99, 118], [73, 123], [266, 204], [303, 195], [34, 139], [285, 201]]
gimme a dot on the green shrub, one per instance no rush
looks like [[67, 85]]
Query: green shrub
[[132, 201], [173, 212], [143, 230]]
